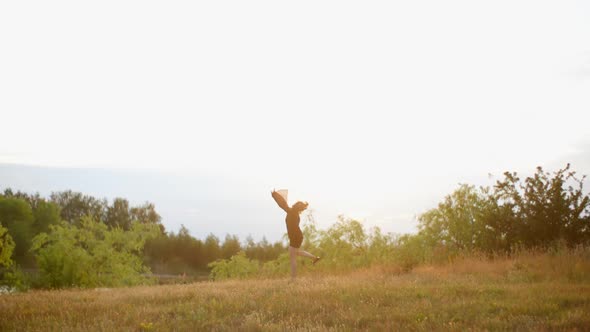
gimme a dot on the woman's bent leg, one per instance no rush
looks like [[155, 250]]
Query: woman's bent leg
[[305, 254]]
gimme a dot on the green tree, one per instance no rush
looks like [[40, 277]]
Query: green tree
[[188, 250], [231, 246], [32, 199], [547, 207], [457, 221], [45, 214], [263, 251], [118, 214], [343, 245], [537, 212], [6, 248], [16, 215], [211, 248], [498, 223], [75, 205], [146, 214]]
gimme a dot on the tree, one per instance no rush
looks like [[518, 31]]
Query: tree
[[45, 214], [344, 244], [537, 212], [547, 207], [118, 214], [146, 214], [16, 215], [188, 249], [6, 248], [32, 199], [230, 246], [75, 205], [211, 248], [457, 220], [263, 251]]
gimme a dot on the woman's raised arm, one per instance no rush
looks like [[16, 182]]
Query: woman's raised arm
[[281, 202]]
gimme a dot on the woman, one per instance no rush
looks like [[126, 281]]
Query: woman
[[293, 230]]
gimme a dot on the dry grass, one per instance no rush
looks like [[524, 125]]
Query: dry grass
[[529, 292]]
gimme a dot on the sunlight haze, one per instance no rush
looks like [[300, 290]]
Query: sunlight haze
[[374, 110]]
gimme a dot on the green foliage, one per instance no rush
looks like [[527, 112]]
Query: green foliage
[[146, 214], [6, 248], [543, 211], [9, 274], [347, 245], [118, 214], [230, 246], [263, 251], [100, 246], [539, 212], [238, 266], [277, 267], [211, 248], [457, 221], [547, 207], [182, 253], [344, 246], [45, 214], [91, 255], [412, 250], [74, 206], [16, 279], [16, 215], [175, 253]]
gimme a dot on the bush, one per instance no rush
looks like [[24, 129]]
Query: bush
[[16, 279], [277, 267], [238, 266], [91, 255]]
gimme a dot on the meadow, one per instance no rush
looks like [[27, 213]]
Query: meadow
[[531, 291]]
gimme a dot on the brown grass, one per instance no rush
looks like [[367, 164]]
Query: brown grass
[[527, 292]]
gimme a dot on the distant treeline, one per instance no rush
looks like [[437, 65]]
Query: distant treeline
[[24, 216], [78, 240]]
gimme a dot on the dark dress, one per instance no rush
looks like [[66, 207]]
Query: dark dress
[[295, 234], [292, 221]]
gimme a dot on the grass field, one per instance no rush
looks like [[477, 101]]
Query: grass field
[[532, 293]]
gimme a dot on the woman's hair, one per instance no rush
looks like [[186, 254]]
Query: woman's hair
[[300, 206]]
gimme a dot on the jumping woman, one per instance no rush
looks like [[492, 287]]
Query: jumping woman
[[293, 230]]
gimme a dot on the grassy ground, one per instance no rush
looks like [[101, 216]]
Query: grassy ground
[[534, 294]]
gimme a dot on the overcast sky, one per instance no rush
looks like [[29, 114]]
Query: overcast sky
[[367, 108]]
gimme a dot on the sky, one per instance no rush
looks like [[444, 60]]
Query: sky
[[370, 109]]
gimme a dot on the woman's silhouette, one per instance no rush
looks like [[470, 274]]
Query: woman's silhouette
[[293, 230]]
